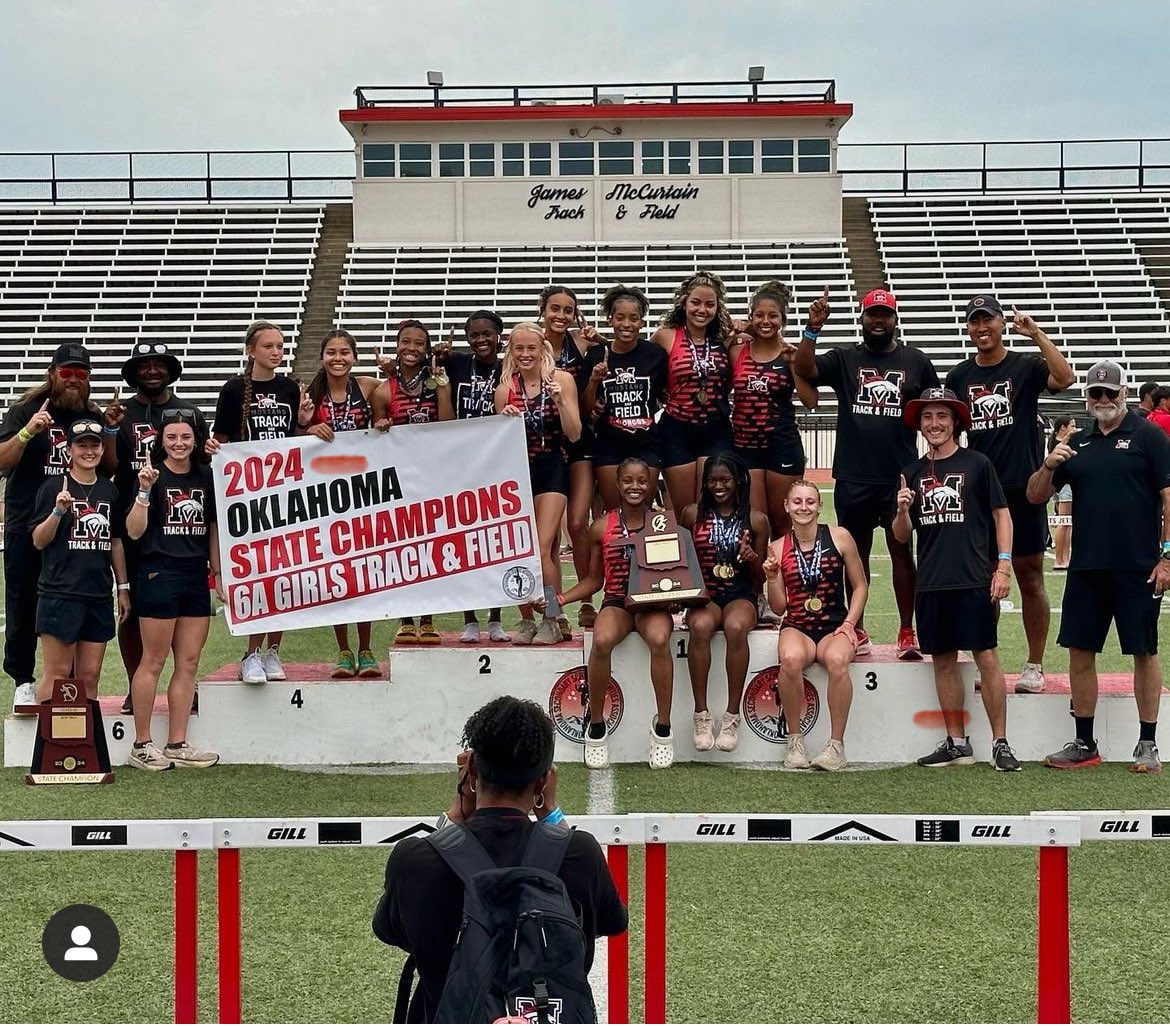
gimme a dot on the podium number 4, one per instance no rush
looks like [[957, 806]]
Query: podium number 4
[[296, 699]]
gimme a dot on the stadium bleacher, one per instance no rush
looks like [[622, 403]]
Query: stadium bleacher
[[192, 276]]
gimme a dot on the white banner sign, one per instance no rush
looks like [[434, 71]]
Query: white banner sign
[[428, 518]]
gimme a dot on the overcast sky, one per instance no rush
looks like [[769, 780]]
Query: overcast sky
[[237, 74]]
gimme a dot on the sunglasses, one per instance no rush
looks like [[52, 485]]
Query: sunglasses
[[80, 373], [1102, 393], [178, 417], [85, 427], [150, 349]]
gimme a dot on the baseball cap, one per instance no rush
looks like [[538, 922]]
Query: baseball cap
[[71, 354], [85, 428], [984, 303], [1105, 374], [879, 297]]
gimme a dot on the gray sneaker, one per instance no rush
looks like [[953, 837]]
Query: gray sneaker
[[728, 739], [148, 757], [1145, 758], [1030, 680], [704, 731], [795, 757], [525, 633], [950, 753], [273, 668], [252, 669], [186, 757], [548, 633]]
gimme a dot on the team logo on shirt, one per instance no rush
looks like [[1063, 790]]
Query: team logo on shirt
[[527, 1009], [763, 711], [144, 435], [879, 395], [58, 449], [627, 397], [991, 407], [757, 383], [91, 525], [476, 398], [568, 704], [420, 415], [185, 512], [270, 417], [941, 501], [1122, 443]]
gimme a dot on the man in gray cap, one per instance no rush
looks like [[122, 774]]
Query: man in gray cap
[[1120, 475]]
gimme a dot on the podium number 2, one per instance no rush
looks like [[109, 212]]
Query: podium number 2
[[485, 663]]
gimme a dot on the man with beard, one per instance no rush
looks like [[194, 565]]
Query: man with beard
[[873, 382], [1120, 474], [33, 446], [151, 371], [1002, 388]]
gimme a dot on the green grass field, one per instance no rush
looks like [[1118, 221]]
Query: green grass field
[[756, 935]]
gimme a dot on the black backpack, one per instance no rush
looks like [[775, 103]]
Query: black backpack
[[520, 950]]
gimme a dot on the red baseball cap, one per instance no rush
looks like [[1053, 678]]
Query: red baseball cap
[[879, 297]]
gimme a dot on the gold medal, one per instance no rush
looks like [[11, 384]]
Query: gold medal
[[813, 604], [431, 383], [701, 397], [724, 571]]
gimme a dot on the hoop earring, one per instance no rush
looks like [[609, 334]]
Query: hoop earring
[[471, 787], [538, 801]]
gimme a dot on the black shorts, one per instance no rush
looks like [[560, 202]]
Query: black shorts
[[548, 473], [611, 447], [71, 620], [1094, 598], [682, 443], [176, 588], [862, 506], [582, 449], [956, 620], [133, 556], [782, 456], [725, 599], [1029, 524]]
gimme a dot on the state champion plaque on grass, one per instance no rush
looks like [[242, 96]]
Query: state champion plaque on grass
[[423, 518]]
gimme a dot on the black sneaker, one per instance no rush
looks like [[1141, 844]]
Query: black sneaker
[[1074, 755], [1003, 758], [950, 753], [127, 705]]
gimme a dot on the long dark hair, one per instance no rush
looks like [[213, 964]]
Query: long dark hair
[[199, 457], [676, 317], [1057, 424], [320, 383], [743, 486]]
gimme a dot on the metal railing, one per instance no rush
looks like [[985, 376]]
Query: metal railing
[[294, 176]]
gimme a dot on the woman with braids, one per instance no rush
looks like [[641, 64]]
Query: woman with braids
[[532, 387], [694, 423], [343, 402], [609, 570], [731, 540], [173, 518], [807, 571], [261, 404], [504, 776], [571, 339], [417, 391], [763, 418], [627, 380]]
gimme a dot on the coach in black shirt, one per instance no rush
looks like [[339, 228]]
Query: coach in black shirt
[[1120, 475], [506, 772], [1002, 388], [873, 382]]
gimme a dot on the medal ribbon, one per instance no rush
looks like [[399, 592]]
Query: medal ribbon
[[808, 568], [725, 535], [701, 366]]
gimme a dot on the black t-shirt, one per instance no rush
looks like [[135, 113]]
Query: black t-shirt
[[473, 385], [182, 511], [1004, 402], [273, 411], [76, 563], [46, 456], [952, 513], [872, 390], [422, 905], [1117, 481], [136, 434], [633, 390]]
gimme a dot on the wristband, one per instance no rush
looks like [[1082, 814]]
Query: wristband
[[554, 817], [811, 335], [107, 430], [24, 435], [58, 513], [1166, 546], [124, 587], [143, 502], [1005, 555]]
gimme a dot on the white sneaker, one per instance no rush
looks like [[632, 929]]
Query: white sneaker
[[704, 731], [497, 633], [1030, 680], [661, 750], [596, 751], [832, 758], [149, 757], [548, 633], [186, 757], [526, 632], [25, 694], [795, 757], [273, 668], [252, 669], [728, 738], [470, 635]]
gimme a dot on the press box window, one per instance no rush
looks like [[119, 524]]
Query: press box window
[[378, 160], [652, 162], [678, 153], [615, 158], [576, 158], [710, 156], [813, 155], [482, 159], [414, 160], [776, 156], [741, 156], [540, 159], [512, 155], [450, 160]]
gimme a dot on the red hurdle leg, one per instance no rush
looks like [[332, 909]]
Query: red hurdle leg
[[655, 933], [186, 935], [228, 881], [1054, 991], [618, 983]]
